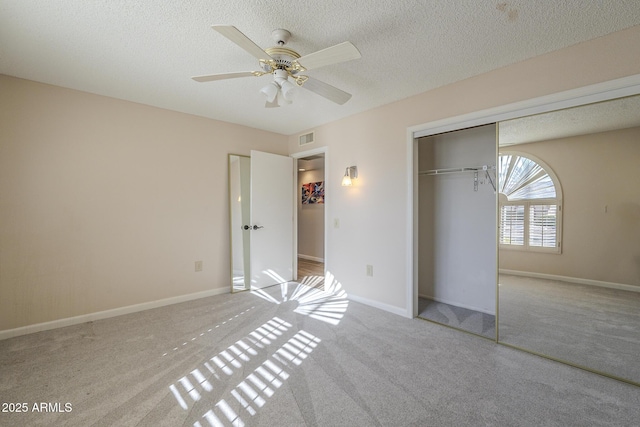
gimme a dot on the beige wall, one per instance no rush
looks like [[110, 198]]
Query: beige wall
[[373, 214], [107, 203], [598, 174]]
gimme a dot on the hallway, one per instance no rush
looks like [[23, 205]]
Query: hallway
[[311, 273]]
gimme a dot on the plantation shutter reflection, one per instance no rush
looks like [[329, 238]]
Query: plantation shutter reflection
[[530, 212], [512, 225], [542, 226]]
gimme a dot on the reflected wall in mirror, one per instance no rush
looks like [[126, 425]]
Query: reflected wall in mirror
[[240, 216], [569, 266]]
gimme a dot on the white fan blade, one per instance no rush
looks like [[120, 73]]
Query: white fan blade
[[236, 36], [326, 90], [223, 76], [332, 55]]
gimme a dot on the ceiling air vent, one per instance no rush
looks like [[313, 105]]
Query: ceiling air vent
[[305, 139]]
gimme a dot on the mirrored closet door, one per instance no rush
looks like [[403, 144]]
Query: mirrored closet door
[[240, 218], [569, 236]]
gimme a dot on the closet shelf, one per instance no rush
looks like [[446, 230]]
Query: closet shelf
[[474, 169], [457, 170]]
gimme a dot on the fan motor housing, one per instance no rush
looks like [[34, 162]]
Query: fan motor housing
[[283, 57]]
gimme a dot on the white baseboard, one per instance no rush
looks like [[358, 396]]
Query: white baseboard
[[457, 304], [311, 258], [69, 321], [382, 306], [578, 280]]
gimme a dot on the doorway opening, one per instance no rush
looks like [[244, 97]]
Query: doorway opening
[[310, 214]]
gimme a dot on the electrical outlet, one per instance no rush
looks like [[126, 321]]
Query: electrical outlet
[[369, 270], [336, 223], [198, 265]]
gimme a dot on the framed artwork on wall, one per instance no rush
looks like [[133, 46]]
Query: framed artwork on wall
[[313, 193]]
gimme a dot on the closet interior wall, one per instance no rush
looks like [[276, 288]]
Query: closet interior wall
[[457, 221]]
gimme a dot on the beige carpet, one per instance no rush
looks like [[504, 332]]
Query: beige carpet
[[591, 326], [293, 356]]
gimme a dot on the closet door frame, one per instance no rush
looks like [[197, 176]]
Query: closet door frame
[[626, 86]]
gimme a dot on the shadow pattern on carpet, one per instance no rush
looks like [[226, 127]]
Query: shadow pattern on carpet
[[457, 317]]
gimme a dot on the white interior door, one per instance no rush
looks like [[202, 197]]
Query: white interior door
[[272, 219]]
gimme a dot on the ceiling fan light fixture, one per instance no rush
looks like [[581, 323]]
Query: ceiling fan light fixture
[[270, 91], [289, 90], [282, 100], [283, 63]]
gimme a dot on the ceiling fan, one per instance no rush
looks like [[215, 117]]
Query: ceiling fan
[[286, 64]]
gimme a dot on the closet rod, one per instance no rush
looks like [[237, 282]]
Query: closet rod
[[456, 170]]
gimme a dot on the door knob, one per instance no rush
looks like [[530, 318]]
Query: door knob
[[255, 227], [246, 227]]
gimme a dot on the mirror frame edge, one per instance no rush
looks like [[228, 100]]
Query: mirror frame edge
[[232, 290]]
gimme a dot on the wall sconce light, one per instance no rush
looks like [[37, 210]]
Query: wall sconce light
[[349, 174]]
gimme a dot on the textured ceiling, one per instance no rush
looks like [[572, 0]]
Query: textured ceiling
[[616, 114], [147, 50]]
